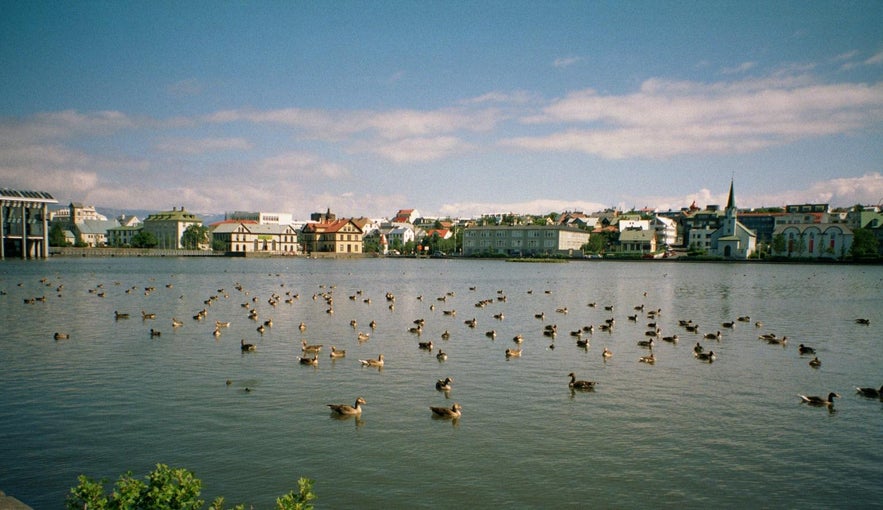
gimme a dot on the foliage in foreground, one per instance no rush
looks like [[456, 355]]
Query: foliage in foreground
[[166, 488]]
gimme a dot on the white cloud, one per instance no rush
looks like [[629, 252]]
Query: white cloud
[[414, 150], [562, 62], [540, 206], [299, 165], [203, 145], [739, 69]]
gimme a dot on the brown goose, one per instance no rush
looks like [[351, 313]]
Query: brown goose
[[309, 361], [444, 384], [580, 385], [310, 348], [246, 346], [819, 401], [346, 409], [337, 354], [443, 412], [372, 362]]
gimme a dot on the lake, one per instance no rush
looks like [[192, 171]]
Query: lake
[[678, 433]]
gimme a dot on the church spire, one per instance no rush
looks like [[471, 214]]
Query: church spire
[[731, 201]]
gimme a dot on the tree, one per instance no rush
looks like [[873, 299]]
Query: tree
[[864, 244], [166, 488], [56, 235], [779, 244], [194, 236], [144, 240]]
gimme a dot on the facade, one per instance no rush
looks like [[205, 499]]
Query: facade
[[263, 218], [637, 241], [338, 236], [732, 240], [24, 223], [815, 240], [666, 231], [94, 233], [254, 238], [400, 235], [169, 226], [523, 240], [121, 236]]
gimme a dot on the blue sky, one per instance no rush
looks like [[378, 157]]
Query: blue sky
[[452, 108]]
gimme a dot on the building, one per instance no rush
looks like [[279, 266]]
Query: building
[[338, 236], [732, 240], [406, 216], [666, 231], [813, 240], [255, 238], [121, 236], [637, 241], [24, 223], [262, 218], [168, 226], [523, 240], [94, 233]]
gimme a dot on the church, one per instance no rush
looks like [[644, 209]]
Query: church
[[732, 240]]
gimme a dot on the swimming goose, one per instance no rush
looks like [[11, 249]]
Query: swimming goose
[[819, 401], [471, 323], [217, 331], [646, 343], [146, 316], [713, 336], [154, 333], [441, 356], [246, 347], [697, 348], [310, 348], [518, 338], [443, 412], [805, 349], [176, 323], [606, 353], [346, 409], [444, 384], [815, 362], [309, 361], [118, 315], [425, 345], [651, 359], [337, 354], [499, 316], [584, 343], [866, 322], [261, 329], [671, 339], [580, 385], [590, 329], [372, 362], [561, 310], [363, 336], [870, 392], [728, 324], [62, 336], [446, 335], [491, 334], [513, 353], [373, 324], [302, 326], [705, 356], [744, 318]]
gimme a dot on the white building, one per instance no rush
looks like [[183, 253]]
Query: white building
[[263, 218]]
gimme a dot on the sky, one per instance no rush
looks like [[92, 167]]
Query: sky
[[452, 108]]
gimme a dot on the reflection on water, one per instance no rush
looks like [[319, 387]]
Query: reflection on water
[[677, 432]]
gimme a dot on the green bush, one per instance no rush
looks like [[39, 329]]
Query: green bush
[[166, 488]]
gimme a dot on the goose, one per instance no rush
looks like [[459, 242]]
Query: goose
[[446, 335], [373, 324], [692, 328], [471, 323], [260, 329], [870, 392], [62, 336], [518, 338], [154, 333], [302, 326], [866, 322], [337, 354], [491, 334], [713, 336], [452, 313], [308, 361], [580, 385], [372, 362], [590, 329], [443, 412], [606, 353], [268, 323], [744, 318], [697, 348], [441, 356], [805, 349], [646, 343], [705, 356], [499, 316], [118, 315], [348, 410], [541, 315], [354, 324], [444, 384], [425, 345], [653, 333], [310, 348], [778, 341], [561, 310], [819, 401], [651, 359], [815, 362], [671, 339], [363, 336], [146, 316], [728, 324], [584, 343], [176, 323], [217, 332], [513, 353], [246, 346]]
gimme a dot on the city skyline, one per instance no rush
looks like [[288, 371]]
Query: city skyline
[[453, 108]]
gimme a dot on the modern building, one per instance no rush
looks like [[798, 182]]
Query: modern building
[[24, 223], [523, 240], [262, 218], [168, 226], [814, 240]]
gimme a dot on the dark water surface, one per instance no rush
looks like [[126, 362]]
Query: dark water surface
[[680, 433]]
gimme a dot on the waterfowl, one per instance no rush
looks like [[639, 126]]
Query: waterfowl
[[540, 316], [302, 326], [261, 329], [671, 339], [646, 343], [471, 322], [441, 356], [805, 349], [443, 412], [372, 362], [713, 336], [118, 315], [866, 322], [518, 339], [561, 310], [373, 324], [348, 410], [217, 332], [246, 346], [651, 359], [176, 323], [815, 362], [584, 343], [308, 361], [589, 329], [155, 333], [310, 348], [499, 316], [513, 353], [62, 336], [425, 345], [446, 335], [778, 341], [337, 354], [444, 384], [606, 353], [870, 392], [705, 356], [363, 336], [146, 316], [697, 348], [491, 334], [744, 318], [728, 324], [452, 313], [653, 333], [819, 401], [580, 385]]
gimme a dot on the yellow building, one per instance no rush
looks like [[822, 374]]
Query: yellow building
[[336, 236]]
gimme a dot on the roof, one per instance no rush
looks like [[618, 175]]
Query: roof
[[637, 235], [226, 227], [174, 215], [96, 226], [329, 227], [27, 196]]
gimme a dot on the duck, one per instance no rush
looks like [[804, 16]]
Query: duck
[[337, 354], [348, 410], [518, 338], [425, 345], [697, 348], [446, 335], [561, 310], [147, 316], [815, 362], [513, 353], [310, 348], [499, 316], [491, 334], [372, 362], [778, 341], [805, 349], [713, 336], [473, 322], [651, 359], [62, 336], [308, 361], [646, 343], [584, 343], [363, 336], [118, 315], [444, 384], [671, 339], [730, 324], [454, 412], [217, 332], [819, 401], [705, 356], [870, 392], [260, 329], [372, 324], [176, 323], [866, 322], [302, 326], [246, 346], [155, 333], [580, 385], [441, 356], [744, 318], [606, 353]]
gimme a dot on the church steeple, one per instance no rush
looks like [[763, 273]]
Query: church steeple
[[731, 201]]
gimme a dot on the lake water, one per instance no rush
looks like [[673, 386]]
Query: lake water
[[680, 433]]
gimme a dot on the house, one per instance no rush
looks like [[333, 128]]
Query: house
[[732, 240], [168, 226], [122, 235], [406, 216], [255, 238], [400, 235], [337, 236], [263, 218], [666, 231], [637, 241], [813, 240], [523, 240], [94, 232]]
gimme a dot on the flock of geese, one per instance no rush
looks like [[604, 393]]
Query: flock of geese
[[310, 352]]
